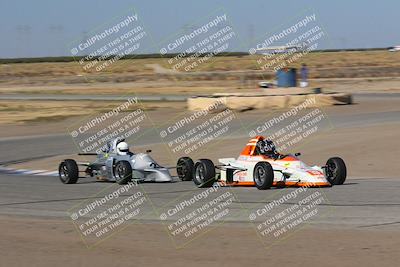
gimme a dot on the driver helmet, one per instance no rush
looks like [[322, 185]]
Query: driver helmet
[[122, 148], [267, 147]]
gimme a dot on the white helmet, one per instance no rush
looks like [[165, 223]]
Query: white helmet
[[122, 148]]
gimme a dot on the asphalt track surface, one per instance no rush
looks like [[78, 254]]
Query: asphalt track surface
[[22, 148], [360, 203]]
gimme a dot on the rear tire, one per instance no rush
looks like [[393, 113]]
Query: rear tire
[[204, 173], [263, 175], [68, 171], [185, 168], [123, 172], [336, 171]]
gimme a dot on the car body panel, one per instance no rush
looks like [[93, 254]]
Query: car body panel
[[288, 171], [144, 167]]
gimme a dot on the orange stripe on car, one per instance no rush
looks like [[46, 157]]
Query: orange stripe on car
[[279, 183]]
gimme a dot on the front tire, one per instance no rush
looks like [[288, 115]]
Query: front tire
[[336, 171], [123, 172], [204, 173], [263, 175], [185, 168], [68, 171]]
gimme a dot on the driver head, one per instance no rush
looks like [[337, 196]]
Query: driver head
[[266, 146], [122, 148], [269, 146]]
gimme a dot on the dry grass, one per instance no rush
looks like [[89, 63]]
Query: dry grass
[[20, 112], [150, 88], [138, 66]]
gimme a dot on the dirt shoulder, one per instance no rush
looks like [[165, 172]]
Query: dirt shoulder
[[38, 242]]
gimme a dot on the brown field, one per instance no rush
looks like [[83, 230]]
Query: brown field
[[223, 63], [21, 111], [372, 71], [328, 64]]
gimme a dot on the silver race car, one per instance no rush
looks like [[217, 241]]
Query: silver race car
[[118, 164]]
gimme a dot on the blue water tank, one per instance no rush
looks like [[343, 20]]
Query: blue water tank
[[286, 77]]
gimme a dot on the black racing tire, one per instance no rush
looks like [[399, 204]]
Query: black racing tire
[[185, 168], [123, 172], [204, 173], [335, 171], [68, 171], [263, 175]]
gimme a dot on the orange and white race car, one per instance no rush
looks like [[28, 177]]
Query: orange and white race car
[[265, 169]]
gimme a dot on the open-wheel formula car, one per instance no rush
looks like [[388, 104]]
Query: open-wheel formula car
[[118, 164], [266, 168]]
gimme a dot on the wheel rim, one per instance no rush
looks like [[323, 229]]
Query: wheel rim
[[64, 172], [331, 169], [259, 175], [182, 170], [120, 172], [200, 172]]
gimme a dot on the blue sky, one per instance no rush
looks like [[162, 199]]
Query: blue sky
[[35, 28]]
